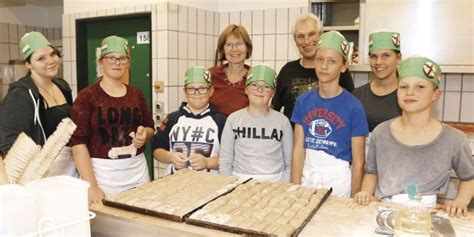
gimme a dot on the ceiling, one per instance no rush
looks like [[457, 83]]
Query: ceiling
[[39, 3]]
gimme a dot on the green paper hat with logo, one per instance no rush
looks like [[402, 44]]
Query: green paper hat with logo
[[262, 72], [421, 67], [197, 74], [30, 42], [334, 40], [384, 40], [114, 44]]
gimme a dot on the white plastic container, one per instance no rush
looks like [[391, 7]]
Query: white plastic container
[[61, 200], [18, 215]]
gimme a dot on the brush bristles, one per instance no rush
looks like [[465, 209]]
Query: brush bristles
[[19, 156]]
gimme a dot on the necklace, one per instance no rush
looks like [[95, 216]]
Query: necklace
[[47, 92], [235, 83]]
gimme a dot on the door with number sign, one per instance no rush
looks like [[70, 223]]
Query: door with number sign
[[136, 29]]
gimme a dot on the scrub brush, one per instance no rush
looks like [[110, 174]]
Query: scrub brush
[[19, 155], [39, 164]]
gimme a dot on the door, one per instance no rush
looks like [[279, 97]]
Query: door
[[90, 33]]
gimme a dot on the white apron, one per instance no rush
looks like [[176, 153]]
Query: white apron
[[264, 177], [428, 201], [322, 170], [118, 175]]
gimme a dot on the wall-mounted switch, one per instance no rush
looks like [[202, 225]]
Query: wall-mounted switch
[[159, 86]]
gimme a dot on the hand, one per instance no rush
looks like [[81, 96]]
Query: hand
[[457, 208], [198, 161], [96, 195], [363, 198], [179, 160], [140, 137]]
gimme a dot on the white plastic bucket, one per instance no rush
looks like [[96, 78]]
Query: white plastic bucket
[[61, 200], [18, 216]]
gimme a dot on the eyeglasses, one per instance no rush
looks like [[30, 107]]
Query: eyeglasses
[[194, 90], [112, 59], [256, 87], [237, 46], [300, 38]]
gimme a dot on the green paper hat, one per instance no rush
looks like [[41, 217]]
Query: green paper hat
[[384, 40], [334, 40], [114, 44], [197, 74], [262, 72], [30, 42], [421, 67]]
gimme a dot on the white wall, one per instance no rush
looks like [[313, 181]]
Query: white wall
[[54, 16], [27, 15], [74, 6]]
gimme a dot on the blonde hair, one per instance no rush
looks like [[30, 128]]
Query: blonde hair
[[237, 31]]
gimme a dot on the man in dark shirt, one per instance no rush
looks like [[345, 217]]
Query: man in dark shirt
[[299, 76]]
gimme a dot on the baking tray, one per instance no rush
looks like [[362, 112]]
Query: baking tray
[[166, 216], [241, 231]]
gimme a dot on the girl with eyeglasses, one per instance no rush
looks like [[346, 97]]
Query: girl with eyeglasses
[[228, 79], [36, 103], [113, 125], [190, 137]]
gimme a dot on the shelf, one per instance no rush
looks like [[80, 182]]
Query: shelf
[[341, 28]]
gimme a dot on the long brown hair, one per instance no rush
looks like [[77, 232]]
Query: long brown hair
[[237, 31]]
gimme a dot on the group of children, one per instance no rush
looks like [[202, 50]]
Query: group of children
[[327, 146]]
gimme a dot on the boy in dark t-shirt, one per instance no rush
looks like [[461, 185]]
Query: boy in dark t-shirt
[[190, 137]]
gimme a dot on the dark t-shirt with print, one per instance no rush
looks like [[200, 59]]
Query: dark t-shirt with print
[[294, 80], [104, 122]]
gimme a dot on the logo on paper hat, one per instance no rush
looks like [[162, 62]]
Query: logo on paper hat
[[262, 72], [114, 44], [197, 74], [421, 67]]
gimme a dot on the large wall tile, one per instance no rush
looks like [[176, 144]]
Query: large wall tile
[[210, 47], [269, 20], [467, 109], [246, 20], [182, 18], [201, 48], [173, 44], [4, 35], [293, 13], [172, 16], [209, 23], [223, 21], [201, 21], [162, 44], [173, 76], [192, 46], [182, 67], [293, 52], [257, 22], [192, 19], [453, 82], [282, 21], [22, 31], [162, 71], [4, 53], [182, 45], [14, 51], [13, 33], [258, 46], [269, 47], [468, 82], [452, 102], [162, 16], [281, 47]]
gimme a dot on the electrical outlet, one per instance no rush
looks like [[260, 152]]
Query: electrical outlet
[[159, 106]]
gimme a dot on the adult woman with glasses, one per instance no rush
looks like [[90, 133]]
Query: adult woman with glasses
[[113, 124], [228, 79], [36, 103]]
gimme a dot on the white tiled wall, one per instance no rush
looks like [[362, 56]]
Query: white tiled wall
[[10, 35]]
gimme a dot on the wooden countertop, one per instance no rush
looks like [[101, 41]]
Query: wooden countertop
[[467, 128], [336, 217]]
